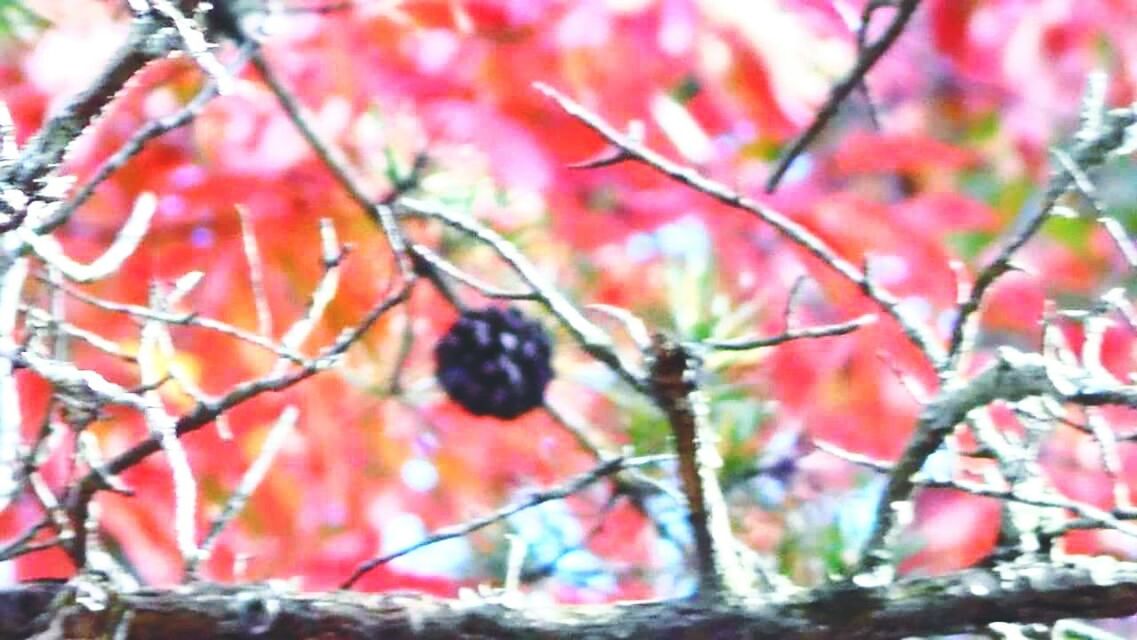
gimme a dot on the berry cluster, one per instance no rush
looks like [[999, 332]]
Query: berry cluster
[[495, 362]]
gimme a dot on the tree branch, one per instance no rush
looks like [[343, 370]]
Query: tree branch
[[958, 603], [869, 56], [1014, 376], [674, 382], [629, 148], [46, 149]]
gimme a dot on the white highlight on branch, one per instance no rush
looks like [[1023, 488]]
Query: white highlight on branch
[[285, 425], [256, 272], [1124, 243], [125, 243], [68, 378], [11, 286], [322, 296], [196, 45], [161, 424], [9, 151]]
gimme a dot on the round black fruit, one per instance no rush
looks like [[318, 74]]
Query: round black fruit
[[495, 362]]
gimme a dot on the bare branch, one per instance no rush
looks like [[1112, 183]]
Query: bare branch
[[126, 241], [445, 266], [838, 329], [917, 332], [79, 494], [1014, 376], [14, 274], [136, 143], [46, 149], [572, 486], [40, 318], [593, 339], [184, 319], [851, 457], [23, 543], [284, 426], [673, 374], [869, 55], [195, 44], [256, 273], [958, 603], [1089, 515], [334, 159], [325, 291], [162, 426], [1094, 143]]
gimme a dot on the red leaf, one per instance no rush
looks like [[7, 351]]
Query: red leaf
[[860, 153]]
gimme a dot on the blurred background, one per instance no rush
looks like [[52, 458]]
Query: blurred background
[[924, 170]]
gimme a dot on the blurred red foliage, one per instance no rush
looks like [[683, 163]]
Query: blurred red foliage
[[969, 98]]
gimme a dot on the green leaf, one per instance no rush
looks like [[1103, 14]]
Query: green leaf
[[1073, 232], [391, 169], [738, 417], [832, 548], [18, 22], [648, 430], [969, 244], [984, 127], [686, 89]]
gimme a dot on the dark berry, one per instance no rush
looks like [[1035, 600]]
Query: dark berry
[[495, 362]]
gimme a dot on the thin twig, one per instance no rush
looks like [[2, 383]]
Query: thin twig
[[838, 329], [79, 493], [572, 486], [281, 429], [792, 299], [162, 426], [859, 459], [1094, 143], [1012, 377], [328, 7], [136, 143], [23, 543], [334, 159], [184, 319], [256, 272], [36, 316], [333, 254], [917, 332], [868, 57], [46, 149], [125, 242], [593, 339], [484, 288], [195, 44], [1099, 518]]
